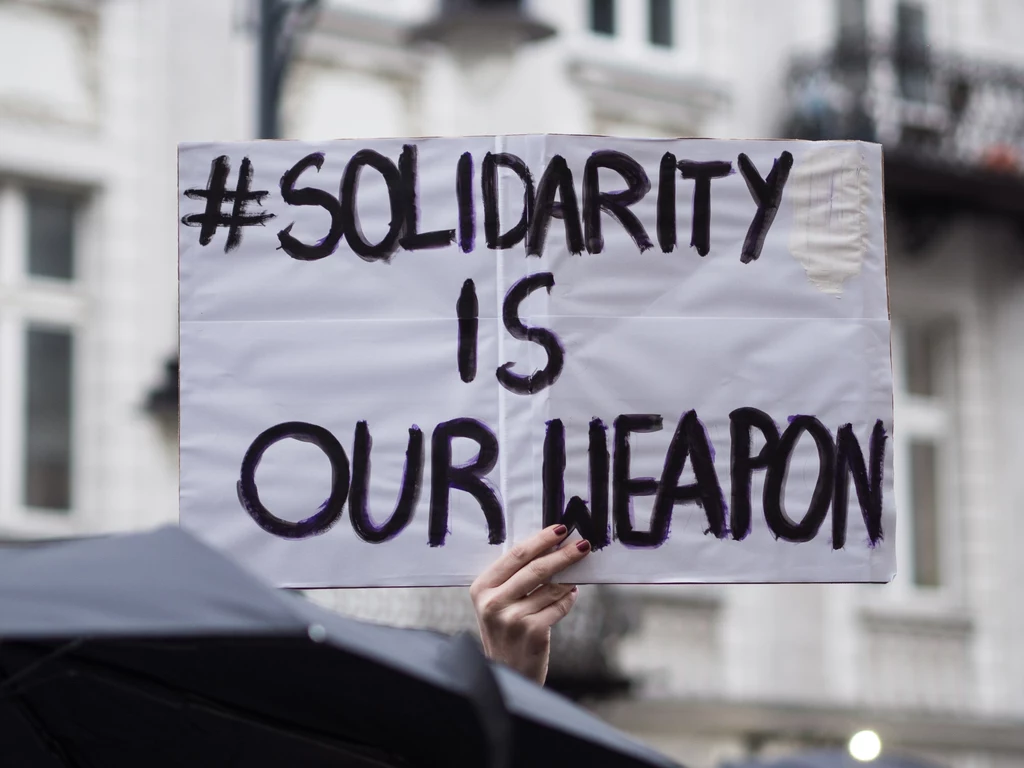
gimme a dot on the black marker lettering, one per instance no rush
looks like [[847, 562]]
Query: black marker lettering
[[216, 194], [413, 239], [465, 477], [538, 380], [667, 203], [310, 196], [741, 421], [690, 439], [592, 526], [767, 193], [464, 195], [702, 174], [367, 251], [329, 512], [489, 186], [780, 524], [467, 308], [624, 487], [412, 477], [615, 203], [557, 178], [867, 481]]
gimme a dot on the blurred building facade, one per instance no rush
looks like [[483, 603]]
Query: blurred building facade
[[95, 95]]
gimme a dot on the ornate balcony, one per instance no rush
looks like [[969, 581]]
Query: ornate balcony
[[952, 127]]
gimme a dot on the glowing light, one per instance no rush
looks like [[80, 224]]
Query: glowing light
[[865, 746]]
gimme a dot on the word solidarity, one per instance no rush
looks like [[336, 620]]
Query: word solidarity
[[839, 459], [553, 196]]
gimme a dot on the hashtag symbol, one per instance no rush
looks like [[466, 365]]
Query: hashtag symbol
[[216, 194]]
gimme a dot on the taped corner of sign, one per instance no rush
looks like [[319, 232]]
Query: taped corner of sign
[[830, 193]]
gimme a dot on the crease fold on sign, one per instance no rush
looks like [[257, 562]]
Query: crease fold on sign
[[829, 190]]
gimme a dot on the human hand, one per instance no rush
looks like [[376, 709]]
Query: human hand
[[516, 603]]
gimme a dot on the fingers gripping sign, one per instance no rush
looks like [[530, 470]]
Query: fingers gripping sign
[[517, 604]]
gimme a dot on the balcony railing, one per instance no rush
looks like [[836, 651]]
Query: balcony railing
[[946, 114]]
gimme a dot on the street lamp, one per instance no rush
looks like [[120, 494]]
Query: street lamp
[[162, 401], [280, 23], [865, 746]]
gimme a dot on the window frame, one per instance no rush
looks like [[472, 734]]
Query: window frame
[[47, 302], [631, 43], [931, 419]]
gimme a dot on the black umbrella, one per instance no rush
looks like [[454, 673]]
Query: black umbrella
[[153, 650]]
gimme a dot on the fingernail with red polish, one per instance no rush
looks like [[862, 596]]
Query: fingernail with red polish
[[561, 530], [574, 590], [583, 546]]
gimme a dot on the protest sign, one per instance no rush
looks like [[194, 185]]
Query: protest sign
[[400, 357]]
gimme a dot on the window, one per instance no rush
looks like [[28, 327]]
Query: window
[[639, 27], [602, 16], [41, 310], [911, 54], [853, 22], [852, 53], [659, 22], [924, 478], [48, 385], [923, 363], [851, 30], [51, 218]]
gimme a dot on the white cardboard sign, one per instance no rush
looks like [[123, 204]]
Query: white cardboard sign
[[400, 357]]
